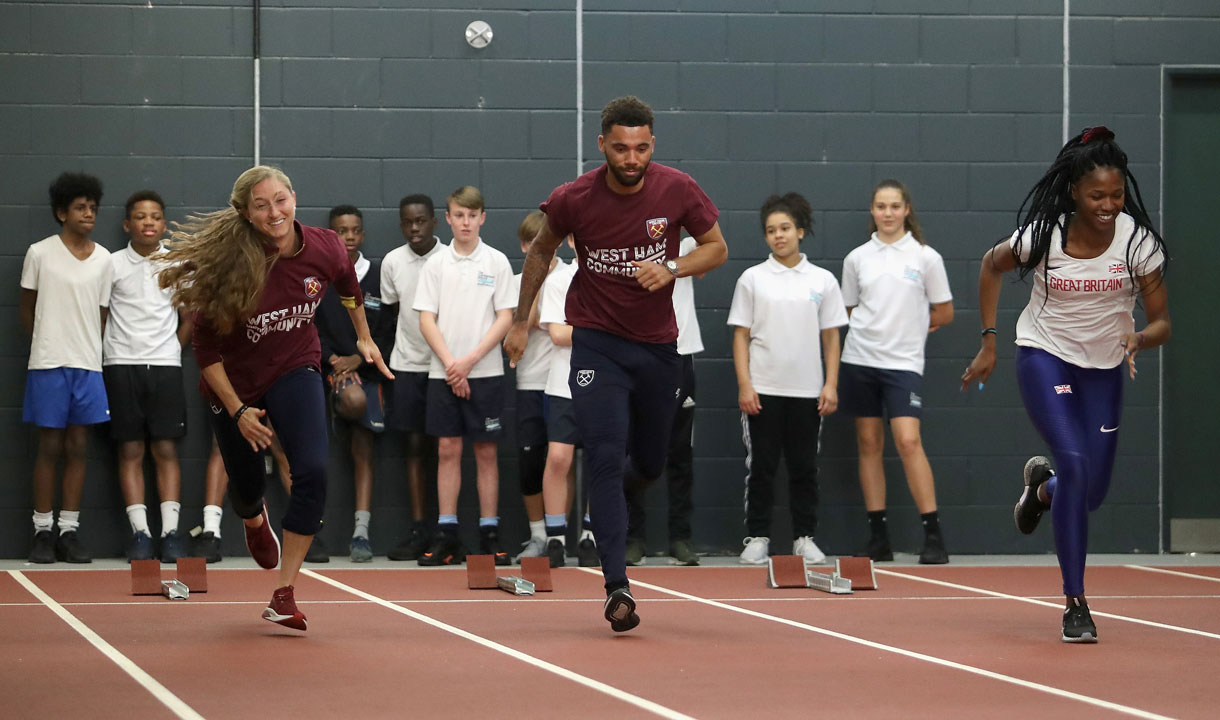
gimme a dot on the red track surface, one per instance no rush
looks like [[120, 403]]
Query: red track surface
[[912, 648]]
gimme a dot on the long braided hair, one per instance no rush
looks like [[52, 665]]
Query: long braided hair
[[1050, 205]]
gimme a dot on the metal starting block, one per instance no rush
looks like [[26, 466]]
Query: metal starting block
[[790, 571], [515, 585], [537, 570], [481, 572], [175, 590], [832, 583]]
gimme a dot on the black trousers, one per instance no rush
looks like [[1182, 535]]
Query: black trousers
[[679, 468], [788, 427]]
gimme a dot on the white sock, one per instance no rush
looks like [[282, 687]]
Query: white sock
[[363, 517], [169, 516], [69, 521], [538, 529], [211, 519], [44, 521], [137, 515]]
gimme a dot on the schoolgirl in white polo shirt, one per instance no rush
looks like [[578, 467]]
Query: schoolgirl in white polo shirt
[[896, 292], [786, 315]]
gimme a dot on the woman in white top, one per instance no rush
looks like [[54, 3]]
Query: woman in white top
[[1092, 249], [786, 315], [896, 292]]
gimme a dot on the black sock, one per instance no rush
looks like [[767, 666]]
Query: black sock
[[876, 523], [931, 523]]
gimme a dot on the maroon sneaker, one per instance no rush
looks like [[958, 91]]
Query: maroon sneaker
[[283, 610], [262, 543]]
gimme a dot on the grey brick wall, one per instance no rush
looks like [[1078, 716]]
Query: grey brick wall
[[365, 103]]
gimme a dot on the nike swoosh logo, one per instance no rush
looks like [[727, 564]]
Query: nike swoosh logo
[[1052, 267], [1106, 429]]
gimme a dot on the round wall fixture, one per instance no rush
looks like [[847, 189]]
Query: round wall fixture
[[478, 34]]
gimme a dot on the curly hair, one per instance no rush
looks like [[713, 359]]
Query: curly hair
[[627, 111], [912, 220], [792, 204], [218, 263], [69, 186]]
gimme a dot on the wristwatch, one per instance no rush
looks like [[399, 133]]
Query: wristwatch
[[672, 267]]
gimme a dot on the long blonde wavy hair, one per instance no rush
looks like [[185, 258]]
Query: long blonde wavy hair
[[218, 264]]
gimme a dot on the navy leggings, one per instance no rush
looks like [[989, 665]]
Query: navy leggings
[[1077, 412], [624, 396], [296, 406]]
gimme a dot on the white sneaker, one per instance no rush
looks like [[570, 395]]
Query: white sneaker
[[808, 549], [756, 552], [534, 547]]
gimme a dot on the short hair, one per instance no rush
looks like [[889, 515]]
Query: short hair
[[140, 196], [627, 111], [467, 196], [69, 186], [418, 199], [794, 205], [529, 227], [338, 210]]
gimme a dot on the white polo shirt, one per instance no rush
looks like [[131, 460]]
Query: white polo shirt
[[142, 328], [465, 292], [68, 314], [535, 362], [690, 340], [786, 309], [891, 286], [1090, 303], [399, 278], [551, 310]]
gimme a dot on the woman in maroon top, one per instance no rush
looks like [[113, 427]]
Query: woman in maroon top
[[253, 278]]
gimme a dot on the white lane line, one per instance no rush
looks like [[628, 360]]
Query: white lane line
[[1047, 603], [616, 693], [1178, 573], [1048, 689], [156, 689]]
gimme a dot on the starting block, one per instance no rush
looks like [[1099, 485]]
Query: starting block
[[537, 570], [145, 577], [515, 585], [859, 570], [193, 572], [481, 572], [830, 582], [789, 571]]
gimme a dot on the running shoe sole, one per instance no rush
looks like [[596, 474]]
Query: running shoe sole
[[620, 611], [1028, 510]]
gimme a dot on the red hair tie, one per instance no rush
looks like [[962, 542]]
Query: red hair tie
[[1099, 132]]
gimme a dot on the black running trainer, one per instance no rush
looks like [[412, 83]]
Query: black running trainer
[[1078, 624], [620, 610], [1028, 510]]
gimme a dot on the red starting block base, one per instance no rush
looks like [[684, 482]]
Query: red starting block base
[[193, 572], [538, 571], [786, 571], [145, 577], [859, 570], [481, 572]]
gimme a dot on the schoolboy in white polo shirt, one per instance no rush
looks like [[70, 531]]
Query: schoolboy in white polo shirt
[[411, 358], [142, 367], [65, 291], [465, 303]]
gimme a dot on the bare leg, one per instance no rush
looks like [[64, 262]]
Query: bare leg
[[555, 479], [50, 447], [169, 474], [488, 478], [870, 441], [75, 442], [131, 471], [216, 482], [448, 474], [915, 462], [362, 466], [292, 555]]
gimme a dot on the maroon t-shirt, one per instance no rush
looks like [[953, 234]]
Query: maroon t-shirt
[[612, 231], [280, 335]]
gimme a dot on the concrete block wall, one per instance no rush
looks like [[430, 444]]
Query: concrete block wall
[[365, 101]]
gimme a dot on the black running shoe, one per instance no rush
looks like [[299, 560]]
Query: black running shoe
[[446, 549], [140, 546], [933, 552], [172, 547], [556, 552], [413, 546], [620, 610], [879, 548], [1028, 510], [68, 548], [43, 551], [489, 544], [1078, 624], [586, 554], [317, 552], [207, 546]]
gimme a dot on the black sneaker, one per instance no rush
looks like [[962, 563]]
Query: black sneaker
[[620, 610], [489, 544], [68, 548], [43, 551], [140, 547], [1028, 510], [636, 549], [1078, 624], [446, 549], [879, 549], [172, 547], [317, 552], [586, 554], [933, 552], [413, 546], [556, 552], [680, 553], [207, 546]]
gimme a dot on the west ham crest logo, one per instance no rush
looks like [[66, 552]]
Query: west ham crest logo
[[584, 377], [313, 286], [657, 227]]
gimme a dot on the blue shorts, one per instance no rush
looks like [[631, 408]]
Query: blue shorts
[[408, 401], [561, 421], [476, 417], [60, 397], [867, 391], [531, 418]]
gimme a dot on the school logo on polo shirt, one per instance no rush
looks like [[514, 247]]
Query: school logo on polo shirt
[[584, 377], [313, 286], [656, 227]]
